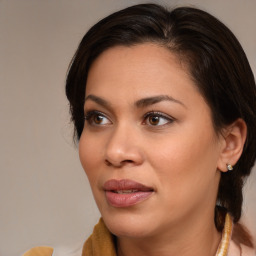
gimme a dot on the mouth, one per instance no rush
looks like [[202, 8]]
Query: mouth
[[125, 193]]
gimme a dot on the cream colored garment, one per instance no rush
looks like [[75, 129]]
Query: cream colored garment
[[72, 250], [101, 243], [39, 251], [241, 250]]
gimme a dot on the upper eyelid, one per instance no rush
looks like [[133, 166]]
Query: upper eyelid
[[159, 113], [89, 113], [105, 112], [100, 102], [94, 111]]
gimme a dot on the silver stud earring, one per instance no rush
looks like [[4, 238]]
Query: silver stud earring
[[229, 167]]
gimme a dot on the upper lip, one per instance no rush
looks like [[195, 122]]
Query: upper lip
[[125, 184]]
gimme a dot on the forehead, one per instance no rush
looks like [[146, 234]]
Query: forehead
[[144, 66]]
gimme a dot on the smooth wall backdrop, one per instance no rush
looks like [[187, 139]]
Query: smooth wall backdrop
[[45, 198]]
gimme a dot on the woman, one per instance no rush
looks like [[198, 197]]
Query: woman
[[163, 104]]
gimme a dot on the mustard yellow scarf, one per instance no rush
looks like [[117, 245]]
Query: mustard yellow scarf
[[100, 243]]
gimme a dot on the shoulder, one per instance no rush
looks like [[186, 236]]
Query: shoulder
[[39, 251], [247, 251], [75, 249], [240, 249]]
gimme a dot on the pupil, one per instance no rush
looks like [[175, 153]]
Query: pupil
[[98, 119], [154, 120]]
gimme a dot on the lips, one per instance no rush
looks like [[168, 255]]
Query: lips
[[125, 193]]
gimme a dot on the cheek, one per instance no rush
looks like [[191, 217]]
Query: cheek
[[185, 166], [89, 157]]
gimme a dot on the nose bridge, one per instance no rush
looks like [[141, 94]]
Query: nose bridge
[[123, 145]]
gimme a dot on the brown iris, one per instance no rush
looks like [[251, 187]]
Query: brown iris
[[154, 120], [98, 119]]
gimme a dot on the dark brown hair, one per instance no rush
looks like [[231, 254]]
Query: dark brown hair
[[216, 62]]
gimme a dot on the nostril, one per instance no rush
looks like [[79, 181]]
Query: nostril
[[107, 162], [119, 164], [127, 161]]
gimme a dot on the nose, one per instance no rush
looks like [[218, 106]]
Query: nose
[[124, 147]]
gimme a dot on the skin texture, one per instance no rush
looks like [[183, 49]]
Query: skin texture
[[177, 153]]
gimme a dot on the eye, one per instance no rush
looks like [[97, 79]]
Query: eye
[[157, 119], [96, 118]]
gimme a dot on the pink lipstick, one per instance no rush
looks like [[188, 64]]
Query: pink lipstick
[[125, 193]]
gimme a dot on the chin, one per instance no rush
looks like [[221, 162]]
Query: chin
[[128, 224], [122, 229]]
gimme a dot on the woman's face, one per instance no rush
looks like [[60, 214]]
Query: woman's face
[[148, 146]]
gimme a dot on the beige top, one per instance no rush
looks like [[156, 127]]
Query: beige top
[[241, 250]]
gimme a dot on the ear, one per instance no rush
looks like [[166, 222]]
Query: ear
[[234, 137]]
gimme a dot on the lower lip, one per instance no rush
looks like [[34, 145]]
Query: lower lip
[[126, 200]]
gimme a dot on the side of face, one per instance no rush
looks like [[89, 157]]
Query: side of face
[[146, 122]]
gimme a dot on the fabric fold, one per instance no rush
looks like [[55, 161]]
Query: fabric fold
[[100, 243]]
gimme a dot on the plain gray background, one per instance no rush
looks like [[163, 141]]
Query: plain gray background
[[44, 195]]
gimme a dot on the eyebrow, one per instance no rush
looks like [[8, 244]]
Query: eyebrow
[[98, 100], [156, 99], [139, 104]]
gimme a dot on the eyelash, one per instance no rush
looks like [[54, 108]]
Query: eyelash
[[90, 115], [157, 114]]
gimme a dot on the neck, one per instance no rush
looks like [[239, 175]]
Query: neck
[[189, 238]]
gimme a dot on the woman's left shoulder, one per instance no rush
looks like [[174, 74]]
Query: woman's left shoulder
[[39, 251], [75, 249]]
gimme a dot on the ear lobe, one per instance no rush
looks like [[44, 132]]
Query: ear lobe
[[234, 137]]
